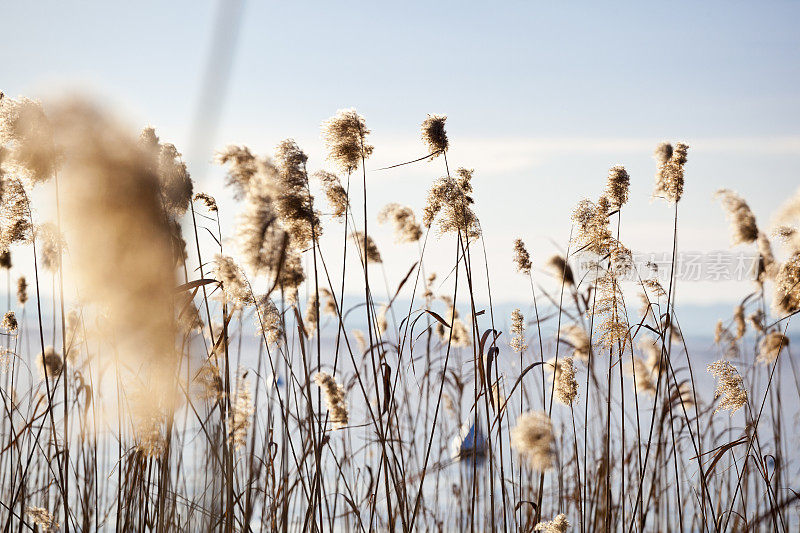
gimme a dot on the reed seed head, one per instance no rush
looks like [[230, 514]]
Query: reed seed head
[[559, 524], [50, 362], [730, 386], [786, 297], [522, 259], [368, 250], [239, 420], [434, 135], [518, 332], [336, 194], [9, 322], [334, 399], [22, 290], [557, 266], [28, 135], [345, 136], [207, 200], [743, 221], [42, 518], [532, 438], [770, 346], [406, 227], [617, 186], [670, 173]]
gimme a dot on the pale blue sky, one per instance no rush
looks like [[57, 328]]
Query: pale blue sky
[[542, 98]]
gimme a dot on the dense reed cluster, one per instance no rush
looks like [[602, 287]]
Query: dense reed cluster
[[165, 372]]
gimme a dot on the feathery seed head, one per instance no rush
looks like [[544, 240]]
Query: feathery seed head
[[617, 187], [406, 227], [434, 135], [336, 194], [517, 332], [771, 345], [345, 135], [367, 251], [742, 219], [559, 524], [9, 322], [533, 439], [730, 386], [334, 399], [669, 176], [521, 257], [207, 199]]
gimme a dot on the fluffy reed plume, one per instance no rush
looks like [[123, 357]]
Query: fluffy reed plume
[[328, 302], [517, 332], [119, 238], [15, 225], [28, 135], [577, 337], [533, 440], [558, 267], [382, 322], [788, 235], [642, 375], [609, 311], [566, 388], [5, 256], [406, 227], [42, 518], [360, 339], [262, 241], [460, 337], [452, 198], [743, 221], [771, 345], [269, 323], [176, 185], [335, 193], [334, 399], [210, 384], [147, 424], [51, 245], [345, 136], [789, 211], [242, 167], [241, 414], [591, 224], [258, 236], [617, 186], [730, 386], [22, 290], [738, 320], [9, 322], [371, 254], [207, 199], [669, 176], [650, 348], [312, 315], [559, 524], [757, 319], [294, 204], [786, 297], [233, 281], [522, 259], [766, 260], [50, 362], [434, 135]]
